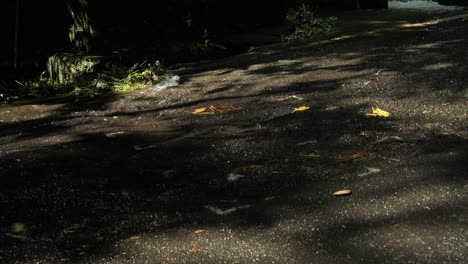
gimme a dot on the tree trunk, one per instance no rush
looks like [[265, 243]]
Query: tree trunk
[[16, 38]]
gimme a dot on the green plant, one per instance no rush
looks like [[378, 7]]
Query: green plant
[[118, 79], [138, 76], [307, 24]]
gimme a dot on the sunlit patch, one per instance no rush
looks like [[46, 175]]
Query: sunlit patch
[[433, 22], [421, 5], [438, 66], [437, 44]]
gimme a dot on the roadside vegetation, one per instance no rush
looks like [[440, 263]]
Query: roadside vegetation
[[307, 24], [81, 72], [84, 79]]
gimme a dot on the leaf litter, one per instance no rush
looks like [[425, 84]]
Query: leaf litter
[[213, 109]]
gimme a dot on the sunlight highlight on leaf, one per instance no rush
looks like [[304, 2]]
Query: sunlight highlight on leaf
[[343, 192], [301, 108], [378, 112]]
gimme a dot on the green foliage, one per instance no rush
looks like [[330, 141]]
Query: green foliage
[[307, 24], [66, 68], [121, 80], [118, 79], [39, 87], [81, 32]]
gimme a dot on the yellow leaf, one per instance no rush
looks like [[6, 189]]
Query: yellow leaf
[[380, 112], [343, 192], [301, 109]]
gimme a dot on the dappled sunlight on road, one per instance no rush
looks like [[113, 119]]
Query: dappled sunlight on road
[[141, 171]]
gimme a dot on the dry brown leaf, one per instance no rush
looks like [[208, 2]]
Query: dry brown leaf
[[343, 192], [356, 155], [198, 231], [220, 108], [194, 250], [212, 109]]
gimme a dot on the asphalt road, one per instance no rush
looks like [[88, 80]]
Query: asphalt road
[[140, 179]]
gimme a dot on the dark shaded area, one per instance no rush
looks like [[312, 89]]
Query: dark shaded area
[[138, 30]]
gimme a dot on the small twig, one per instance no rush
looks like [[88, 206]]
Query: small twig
[[348, 158]]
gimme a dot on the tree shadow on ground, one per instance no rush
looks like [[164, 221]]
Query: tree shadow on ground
[[83, 181]]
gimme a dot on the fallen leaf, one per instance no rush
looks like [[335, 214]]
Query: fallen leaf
[[234, 176], [385, 138], [136, 147], [199, 110], [369, 172], [356, 155], [378, 112], [194, 250], [306, 142], [198, 231], [351, 157], [301, 108], [212, 109], [342, 192], [382, 139], [313, 156], [365, 133], [114, 134]]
